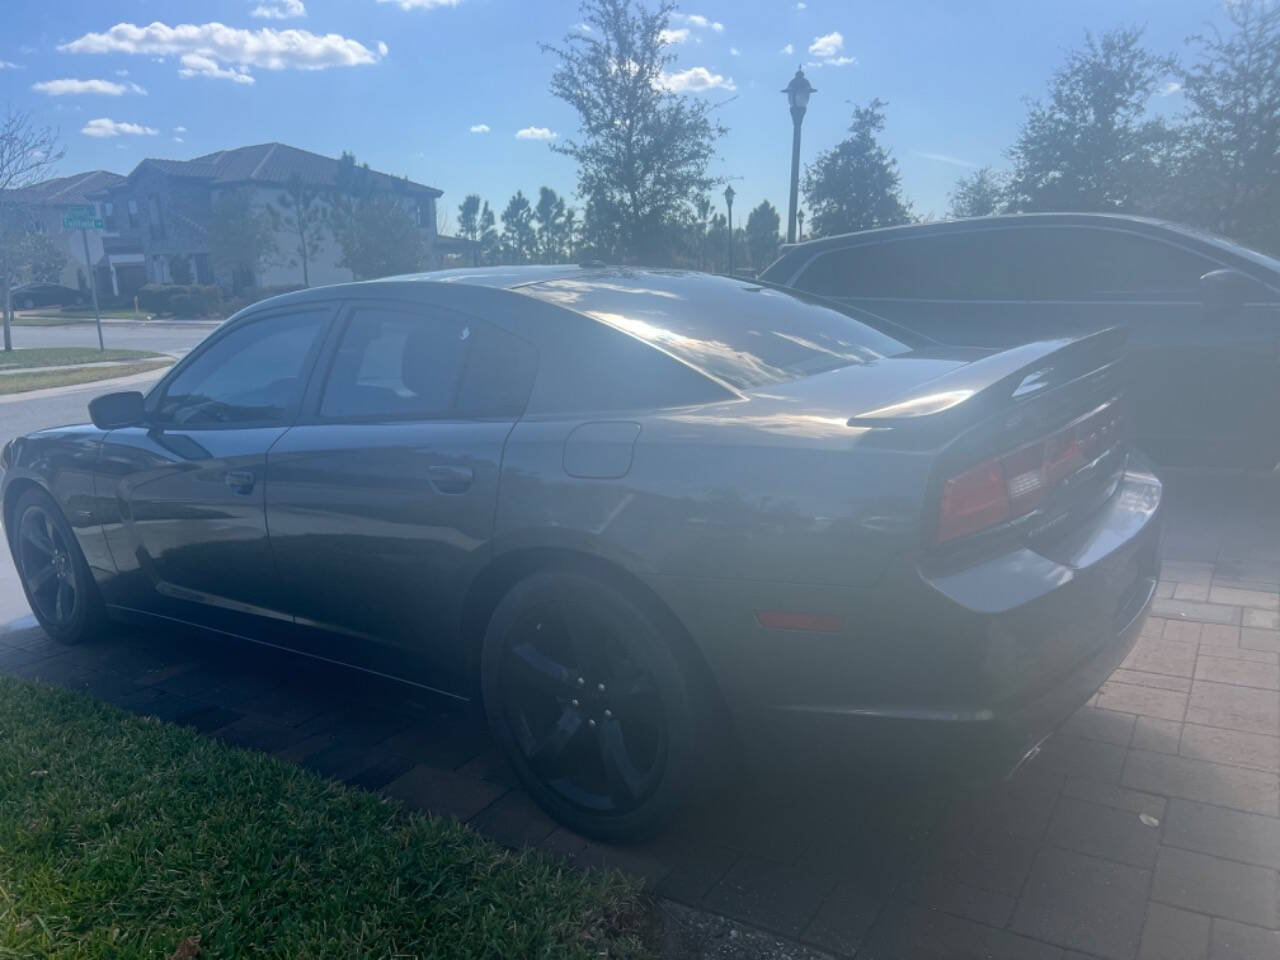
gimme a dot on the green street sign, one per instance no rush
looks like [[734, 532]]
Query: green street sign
[[82, 223], [83, 211]]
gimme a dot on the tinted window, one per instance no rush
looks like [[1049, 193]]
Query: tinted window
[[740, 333], [1089, 264], [252, 374], [974, 265], [398, 364]]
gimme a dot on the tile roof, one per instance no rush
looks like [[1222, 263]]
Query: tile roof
[[273, 163], [70, 190]]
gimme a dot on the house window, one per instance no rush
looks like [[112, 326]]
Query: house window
[[109, 215], [133, 213], [159, 269], [156, 219]]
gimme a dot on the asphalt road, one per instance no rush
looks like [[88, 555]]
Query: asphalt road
[[164, 337]]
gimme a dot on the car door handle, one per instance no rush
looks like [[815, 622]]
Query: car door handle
[[240, 481], [450, 479]]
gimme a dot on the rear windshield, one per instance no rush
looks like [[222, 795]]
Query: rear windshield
[[742, 333]]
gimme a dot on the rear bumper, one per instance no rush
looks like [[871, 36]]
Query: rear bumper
[[935, 668]]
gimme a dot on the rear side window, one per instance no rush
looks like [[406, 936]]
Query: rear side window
[[403, 364]]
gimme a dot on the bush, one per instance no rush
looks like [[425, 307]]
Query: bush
[[181, 301]]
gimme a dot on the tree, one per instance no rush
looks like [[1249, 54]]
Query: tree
[[978, 194], [378, 237], [242, 238], [488, 236], [1092, 146], [28, 154], [643, 149], [43, 258], [1230, 177], [855, 185], [762, 235], [469, 224], [549, 214], [519, 241], [302, 214]]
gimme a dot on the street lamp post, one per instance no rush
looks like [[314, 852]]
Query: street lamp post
[[800, 225], [728, 202], [797, 91]]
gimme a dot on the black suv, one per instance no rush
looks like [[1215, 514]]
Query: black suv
[[1202, 312]]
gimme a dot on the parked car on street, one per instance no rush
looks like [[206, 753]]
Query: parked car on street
[[27, 296], [643, 516], [1202, 312]]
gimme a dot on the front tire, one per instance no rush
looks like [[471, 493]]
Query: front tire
[[54, 574], [595, 705]]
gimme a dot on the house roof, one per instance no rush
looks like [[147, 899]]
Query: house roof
[[272, 163], [71, 190]]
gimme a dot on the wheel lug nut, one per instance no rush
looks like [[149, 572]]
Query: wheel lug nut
[[600, 687], [574, 703], [608, 714], [581, 681], [591, 723]]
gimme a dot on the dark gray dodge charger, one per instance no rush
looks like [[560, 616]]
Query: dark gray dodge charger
[[635, 513]]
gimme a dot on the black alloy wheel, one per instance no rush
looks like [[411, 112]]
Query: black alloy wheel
[[591, 704], [53, 570]]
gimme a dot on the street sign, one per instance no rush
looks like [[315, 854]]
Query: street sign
[[71, 222]]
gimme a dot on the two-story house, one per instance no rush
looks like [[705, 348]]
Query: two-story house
[[46, 203], [162, 212]]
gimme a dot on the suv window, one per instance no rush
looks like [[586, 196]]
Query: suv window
[[251, 375], [974, 265], [397, 364], [1083, 263]]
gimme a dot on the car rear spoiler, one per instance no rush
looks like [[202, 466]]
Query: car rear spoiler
[[996, 381]]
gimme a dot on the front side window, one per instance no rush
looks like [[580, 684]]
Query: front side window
[[254, 374], [399, 364], [133, 213]]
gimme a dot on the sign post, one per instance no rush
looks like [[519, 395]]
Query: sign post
[[85, 219]]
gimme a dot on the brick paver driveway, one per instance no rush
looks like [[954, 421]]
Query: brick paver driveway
[[1150, 827]]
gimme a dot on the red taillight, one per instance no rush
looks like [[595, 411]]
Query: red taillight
[[973, 501], [1015, 483]]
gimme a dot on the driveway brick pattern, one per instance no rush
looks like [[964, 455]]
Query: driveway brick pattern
[[1148, 828]]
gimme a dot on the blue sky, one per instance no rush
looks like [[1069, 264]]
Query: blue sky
[[404, 83]]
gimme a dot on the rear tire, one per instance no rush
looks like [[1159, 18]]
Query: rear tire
[[598, 710], [53, 571]]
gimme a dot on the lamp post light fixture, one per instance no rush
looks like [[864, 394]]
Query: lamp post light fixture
[[799, 225], [797, 91], [728, 202]]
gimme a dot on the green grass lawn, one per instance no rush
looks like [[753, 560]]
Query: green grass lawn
[[122, 837], [60, 356], [77, 314], [39, 379]]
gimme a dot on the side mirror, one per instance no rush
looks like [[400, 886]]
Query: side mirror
[[114, 410], [1226, 291]]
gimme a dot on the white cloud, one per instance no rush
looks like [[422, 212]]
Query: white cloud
[[828, 45], [695, 80], [802, 5], [698, 20], [279, 10], [673, 36], [215, 50], [104, 127], [70, 87], [178, 140], [536, 133], [122, 72], [833, 62], [422, 4], [9, 65], [179, 129], [788, 50], [1170, 88], [945, 158], [202, 65], [735, 52], [479, 128], [584, 27]]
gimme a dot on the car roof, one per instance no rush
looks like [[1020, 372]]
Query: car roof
[[1147, 225]]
